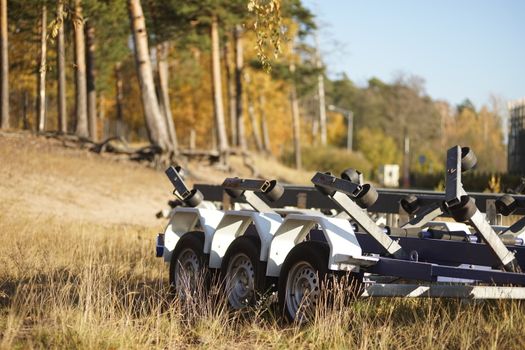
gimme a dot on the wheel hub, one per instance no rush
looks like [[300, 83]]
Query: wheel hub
[[186, 273], [240, 281], [302, 291]]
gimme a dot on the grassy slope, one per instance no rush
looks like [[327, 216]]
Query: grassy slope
[[77, 271]]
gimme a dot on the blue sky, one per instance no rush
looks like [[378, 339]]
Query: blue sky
[[462, 48]]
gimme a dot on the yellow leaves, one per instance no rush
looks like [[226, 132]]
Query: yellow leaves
[[494, 185], [336, 129], [482, 132], [377, 147], [267, 27]]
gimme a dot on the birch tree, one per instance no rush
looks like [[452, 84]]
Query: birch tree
[[81, 128], [41, 99], [155, 124], [61, 68], [217, 88], [90, 80]]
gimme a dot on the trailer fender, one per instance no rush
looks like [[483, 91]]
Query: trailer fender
[[235, 224], [339, 234], [184, 220]]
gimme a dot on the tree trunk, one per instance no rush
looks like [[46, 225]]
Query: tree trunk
[[61, 67], [217, 89], [25, 109], [91, 76], [239, 63], [102, 108], [253, 119], [255, 125], [4, 86], [321, 95], [231, 94], [41, 102], [81, 128], [264, 125], [119, 97], [164, 98], [295, 121], [155, 124]]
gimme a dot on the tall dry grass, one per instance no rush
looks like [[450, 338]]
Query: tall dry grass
[[66, 285]]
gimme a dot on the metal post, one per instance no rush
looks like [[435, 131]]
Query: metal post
[[406, 162], [350, 131]]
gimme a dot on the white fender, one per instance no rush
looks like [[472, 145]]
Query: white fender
[[184, 220], [235, 224], [338, 232]]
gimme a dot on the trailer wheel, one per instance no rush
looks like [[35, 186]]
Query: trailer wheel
[[243, 272], [187, 266], [304, 275]]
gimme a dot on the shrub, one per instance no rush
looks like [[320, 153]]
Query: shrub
[[330, 159]]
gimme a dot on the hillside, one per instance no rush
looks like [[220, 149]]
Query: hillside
[[40, 177]]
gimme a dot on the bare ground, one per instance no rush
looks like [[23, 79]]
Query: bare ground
[[43, 178]]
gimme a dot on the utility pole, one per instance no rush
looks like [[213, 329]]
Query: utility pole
[[406, 161], [321, 94]]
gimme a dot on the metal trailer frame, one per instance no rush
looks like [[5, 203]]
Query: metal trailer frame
[[487, 266]]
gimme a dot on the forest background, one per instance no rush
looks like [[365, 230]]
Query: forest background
[[226, 76]]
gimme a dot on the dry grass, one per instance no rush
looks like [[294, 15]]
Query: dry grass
[[72, 282], [88, 286]]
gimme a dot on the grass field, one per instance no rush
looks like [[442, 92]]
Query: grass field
[[83, 275]]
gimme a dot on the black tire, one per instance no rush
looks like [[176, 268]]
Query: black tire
[[351, 175], [468, 159], [506, 205], [367, 197], [188, 257], [313, 256], [244, 275]]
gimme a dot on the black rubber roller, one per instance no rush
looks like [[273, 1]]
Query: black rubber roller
[[180, 171], [468, 159], [410, 204], [463, 210], [367, 196], [233, 193], [506, 205], [194, 199], [324, 190], [274, 191], [351, 175]]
